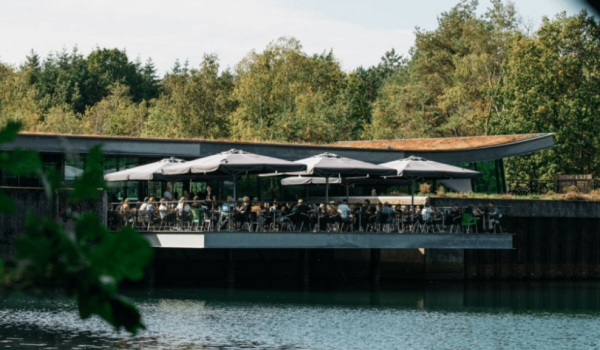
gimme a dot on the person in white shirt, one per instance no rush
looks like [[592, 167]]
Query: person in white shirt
[[162, 208], [426, 213], [144, 204], [183, 206], [344, 209]]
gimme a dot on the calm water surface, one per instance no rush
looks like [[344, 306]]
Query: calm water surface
[[550, 315]]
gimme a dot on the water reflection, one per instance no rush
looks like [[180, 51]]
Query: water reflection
[[432, 315]]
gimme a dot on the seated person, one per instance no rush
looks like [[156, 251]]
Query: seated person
[[302, 208], [344, 210], [183, 209], [386, 209], [144, 204], [162, 209], [125, 208], [195, 202], [150, 208], [454, 217], [493, 216], [427, 213], [167, 194], [227, 209]]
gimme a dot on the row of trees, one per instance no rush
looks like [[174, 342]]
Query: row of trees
[[472, 75]]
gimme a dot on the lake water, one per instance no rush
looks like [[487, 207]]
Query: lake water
[[548, 315]]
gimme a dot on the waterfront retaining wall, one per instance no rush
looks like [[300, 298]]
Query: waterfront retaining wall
[[553, 240], [35, 201]]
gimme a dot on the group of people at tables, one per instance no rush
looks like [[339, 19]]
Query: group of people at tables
[[303, 216]]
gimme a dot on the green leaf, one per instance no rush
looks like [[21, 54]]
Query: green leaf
[[126, 314], [20, 162], [6, 203], [122, 254], [10, 132]]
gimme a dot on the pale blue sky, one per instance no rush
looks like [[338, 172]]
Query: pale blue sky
[[357, 31]]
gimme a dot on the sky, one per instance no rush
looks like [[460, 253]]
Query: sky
[[358, 31]]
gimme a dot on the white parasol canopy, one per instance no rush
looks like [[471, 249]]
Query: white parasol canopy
[[143, 172]]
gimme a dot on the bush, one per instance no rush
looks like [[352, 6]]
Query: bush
[[441, 191], [595, 195], [424, 188]]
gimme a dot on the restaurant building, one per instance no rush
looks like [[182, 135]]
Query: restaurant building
[[66, 153]]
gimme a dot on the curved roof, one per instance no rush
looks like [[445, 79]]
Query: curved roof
[[450, 150], [439, 144]]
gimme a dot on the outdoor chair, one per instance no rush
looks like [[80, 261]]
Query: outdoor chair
[[383, 223], [196, 218], [142, 220], [250, 221], [497, 223], [183, 220], [208, 220], [469, 220]]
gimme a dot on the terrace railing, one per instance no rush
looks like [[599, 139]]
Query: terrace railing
[[223, 216]]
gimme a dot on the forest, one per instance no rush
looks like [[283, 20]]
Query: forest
[[487, 74]]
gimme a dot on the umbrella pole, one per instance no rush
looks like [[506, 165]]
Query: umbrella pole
[[412, 200], [326, 195], [234, 189]]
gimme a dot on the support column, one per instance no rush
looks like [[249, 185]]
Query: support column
[[305, 272], [375, 265], [444, 264], [230, 268]]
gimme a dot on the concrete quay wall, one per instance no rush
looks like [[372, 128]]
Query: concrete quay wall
[[553, 240], [35, 201]]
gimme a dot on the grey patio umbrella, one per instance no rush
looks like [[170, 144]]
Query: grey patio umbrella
[[329, 165], [417, 168], [233, 163], [143, 172], [346, 182]]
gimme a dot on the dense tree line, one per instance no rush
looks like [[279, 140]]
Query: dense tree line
[[472, 75]]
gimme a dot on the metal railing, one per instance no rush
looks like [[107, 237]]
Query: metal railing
[[311, 217]]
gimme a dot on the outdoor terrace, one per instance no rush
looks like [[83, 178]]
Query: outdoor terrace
[[211, 226]]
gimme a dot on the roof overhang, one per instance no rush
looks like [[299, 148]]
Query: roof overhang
[[190, 149]]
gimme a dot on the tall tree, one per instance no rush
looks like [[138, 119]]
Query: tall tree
[[193, 103], [552, 84], [64, 80], [455, 72], [18, 99], [116, 114], [272, 84]]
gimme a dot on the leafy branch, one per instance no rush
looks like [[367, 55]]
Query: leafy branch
[[87, 262]]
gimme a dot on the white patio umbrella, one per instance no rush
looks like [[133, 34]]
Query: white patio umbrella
[[346, 182], [233, 163], [417, 168], [329, 165], [143, 172]]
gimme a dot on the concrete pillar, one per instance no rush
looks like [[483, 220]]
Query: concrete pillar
[[230, 268], [305, 272], [445, 264], [375, 265]]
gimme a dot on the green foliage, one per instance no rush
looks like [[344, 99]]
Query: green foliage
[[116, 114], [87, 262], [18, 98], [551, 85], [193, 103], [282, 92], [472, 75], [61, 119]]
